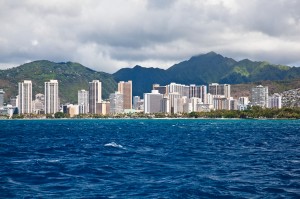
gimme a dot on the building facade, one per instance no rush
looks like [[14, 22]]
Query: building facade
[[243, 103], [95, 95], [38, 106], [165, 105], [275, 101], [181, 89], [152, 102], [259, 96], [125, 88], [220, 102], [219, 89], [83, 101], [136, 99], [51, 97], [173, 101], [1, 98], [25, 97], [161, 89], [199, 92], [116, 103], [103, 108]]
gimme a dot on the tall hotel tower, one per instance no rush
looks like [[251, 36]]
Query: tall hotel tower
[[125, 88], [199, 92], [259, 96], [25, 97], [83, 101], [51, 97], [1, 98], [116, 102], [152, 102], [95, 93], [219, 89]]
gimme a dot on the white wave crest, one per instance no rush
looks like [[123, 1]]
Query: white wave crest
[[113, 144]]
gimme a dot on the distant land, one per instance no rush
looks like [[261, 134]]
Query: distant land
[[205, 69], [201, 69], [71, 76]]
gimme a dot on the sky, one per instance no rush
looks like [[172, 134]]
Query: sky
[[107, 35]]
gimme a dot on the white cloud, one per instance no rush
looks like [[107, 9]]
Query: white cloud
[[109, 34]]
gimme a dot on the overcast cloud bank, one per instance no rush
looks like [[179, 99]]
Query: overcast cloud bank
[[109, 34]]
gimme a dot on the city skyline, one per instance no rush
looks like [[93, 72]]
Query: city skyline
[[169, 99]]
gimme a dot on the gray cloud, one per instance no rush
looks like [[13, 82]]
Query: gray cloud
[[107, 35]]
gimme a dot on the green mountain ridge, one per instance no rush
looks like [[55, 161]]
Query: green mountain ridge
[[71, 76], [200, 69], [209, 68]]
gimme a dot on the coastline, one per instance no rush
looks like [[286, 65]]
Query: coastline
[[141, 118]]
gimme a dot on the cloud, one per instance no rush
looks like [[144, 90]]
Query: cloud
[[107, 35]]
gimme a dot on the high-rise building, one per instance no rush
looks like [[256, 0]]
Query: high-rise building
[[72, 110], [194, 102], [138, 103], [199, 92], [219, 89], [125, 88], [243, 103], [103, 108], [275, 101], [220, 102], [1, 97], [243, 100], [14, 101], [210, 98], [83, 101], [38, 104], [179, 105], [187, 107], [116, 102], [25, 97], [165, 105], [233, 104], [182, 89], [173, 101], [95, 95], [152, 102], [259, 96], [136, 99], [161, 89], [51, 97]]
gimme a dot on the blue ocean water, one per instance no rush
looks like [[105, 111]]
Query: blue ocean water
[[149, 158]]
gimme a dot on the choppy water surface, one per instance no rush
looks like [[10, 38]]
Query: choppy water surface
[[150, 158]]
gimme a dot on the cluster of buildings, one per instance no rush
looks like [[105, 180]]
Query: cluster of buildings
[[23, 103], [89, 101], [179, 98], [170, 99]]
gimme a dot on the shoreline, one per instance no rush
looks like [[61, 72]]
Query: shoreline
[[111, 118]]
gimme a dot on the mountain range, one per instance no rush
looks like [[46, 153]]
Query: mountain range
[[71, 77], [205, 69], [201, 69]]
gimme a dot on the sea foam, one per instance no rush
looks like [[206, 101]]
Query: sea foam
[[113, 144]]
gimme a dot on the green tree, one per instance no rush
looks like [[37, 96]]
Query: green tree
[[60, 115]]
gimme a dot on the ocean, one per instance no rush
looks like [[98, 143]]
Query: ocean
[[149, 158]]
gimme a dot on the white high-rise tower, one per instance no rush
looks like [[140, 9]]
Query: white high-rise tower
[[1, 97], [83, 101], [95, 95], [25, 97], [51, 97], [259, 96]]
